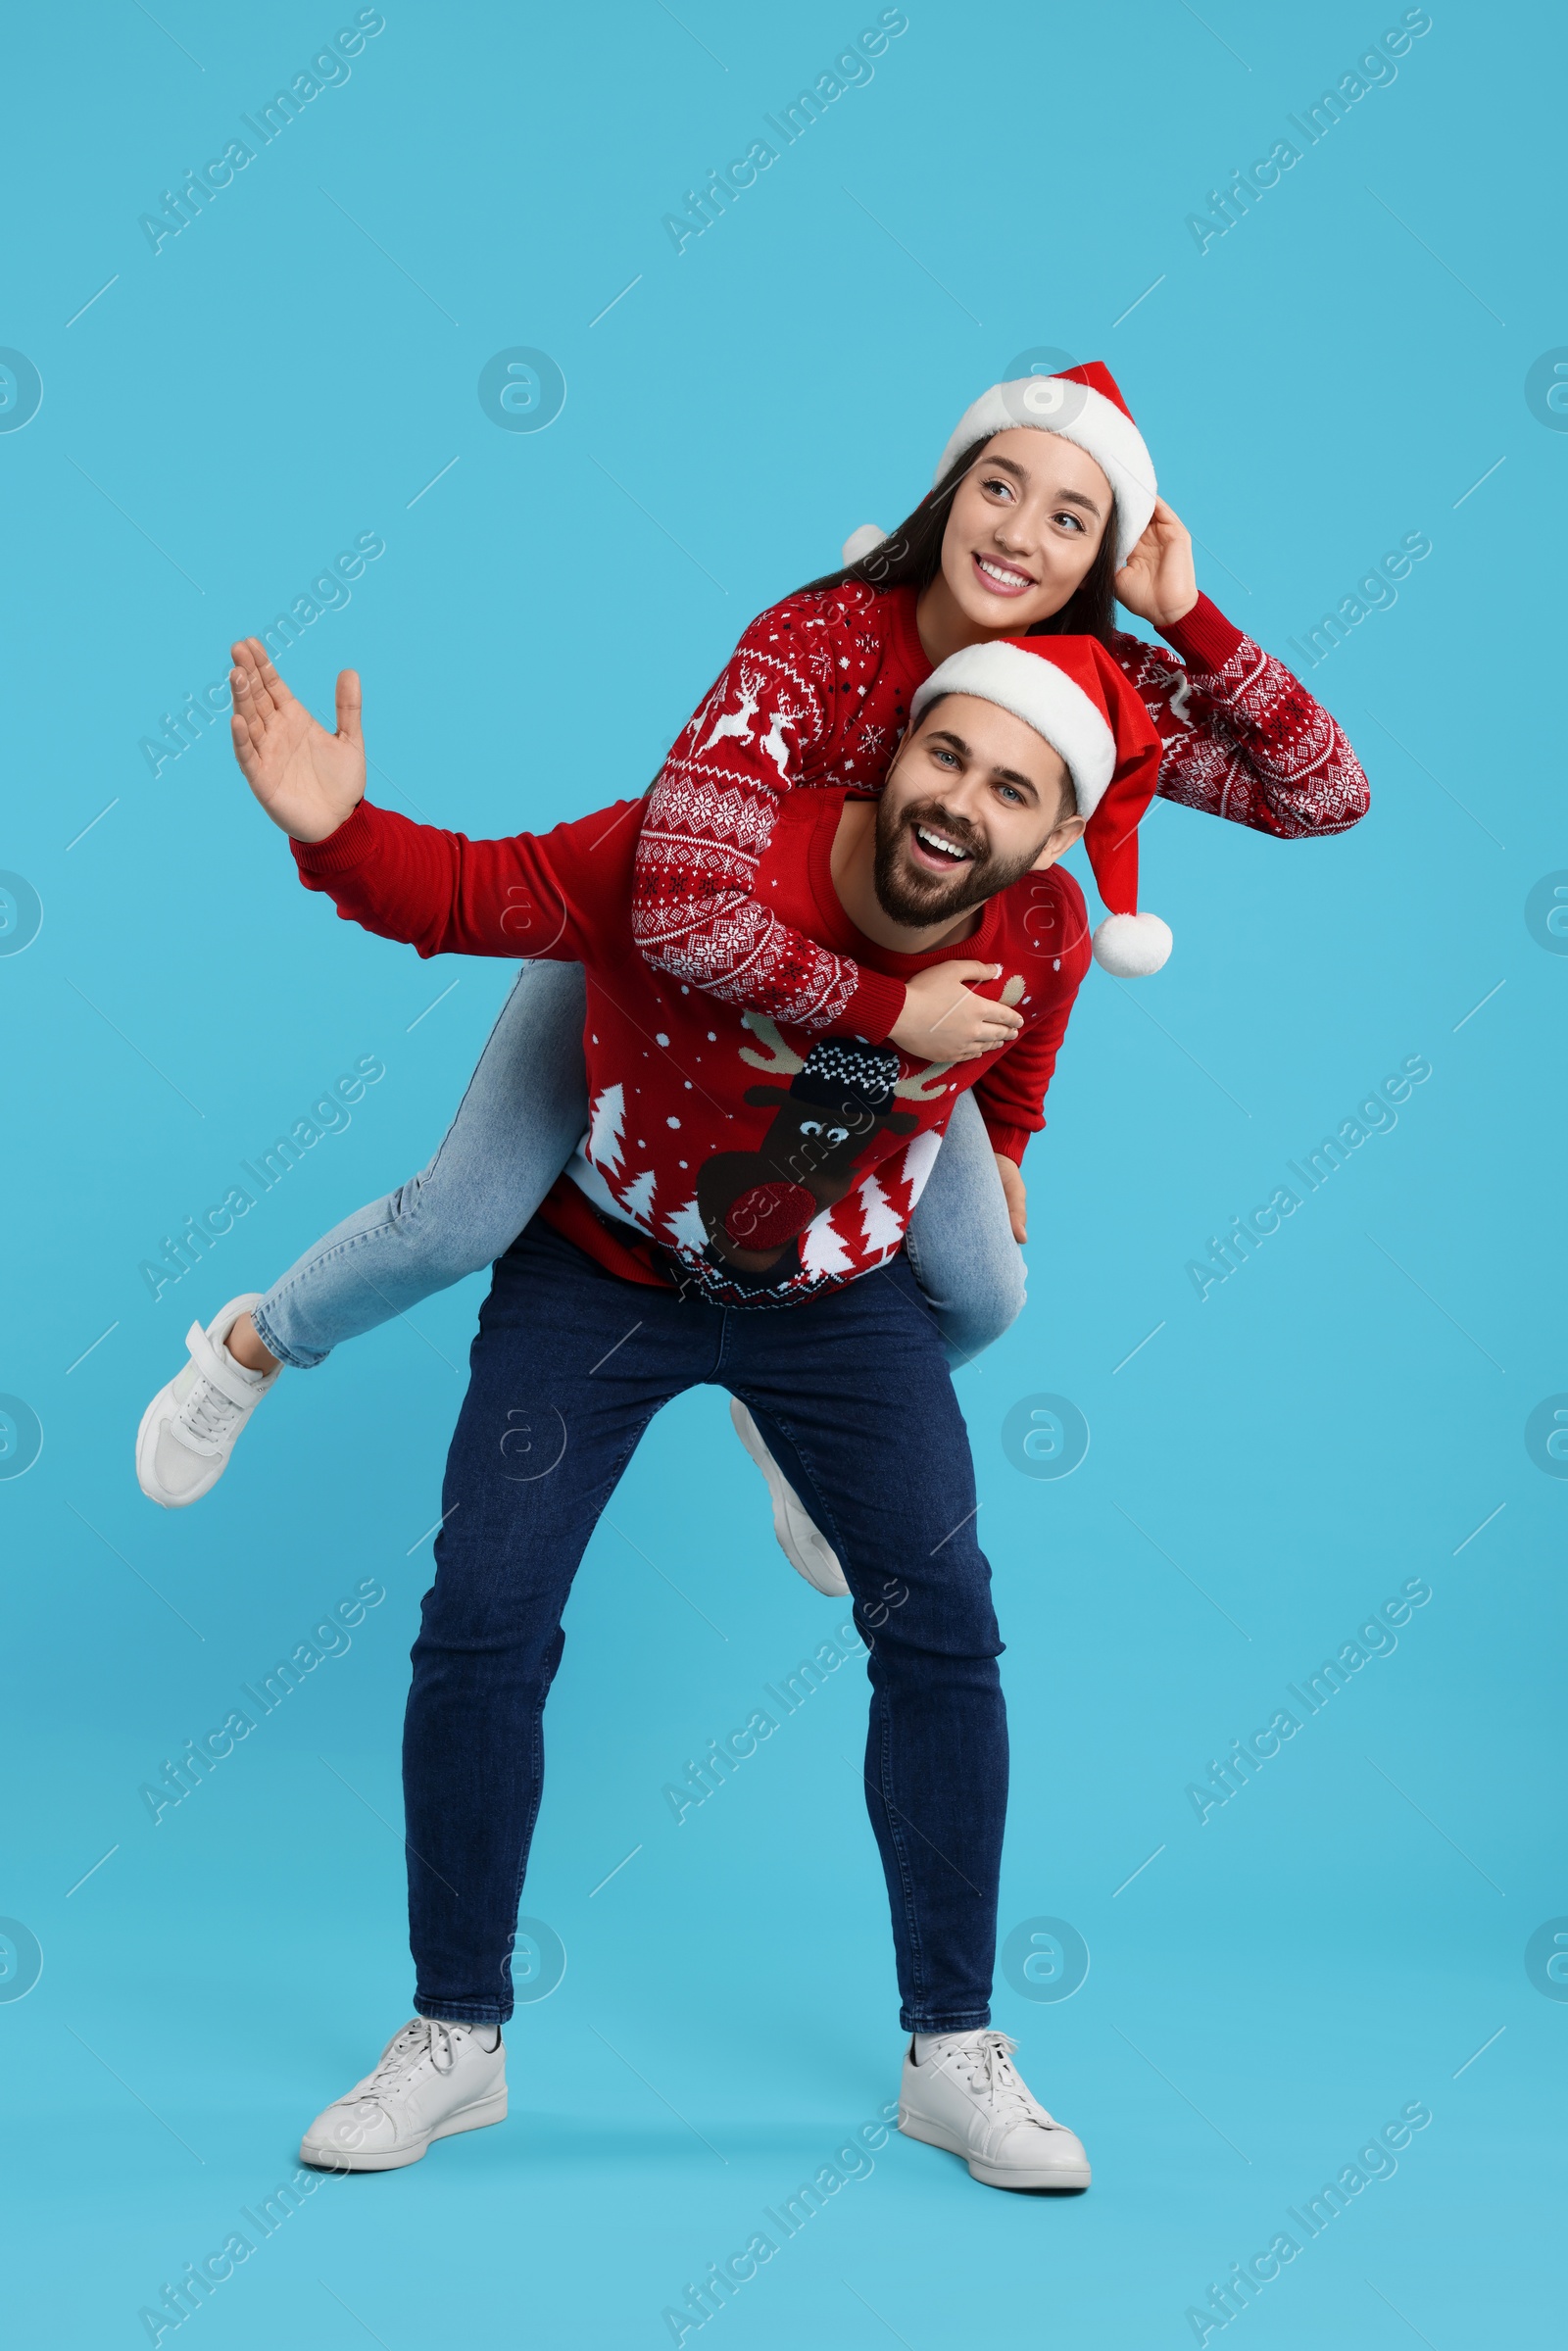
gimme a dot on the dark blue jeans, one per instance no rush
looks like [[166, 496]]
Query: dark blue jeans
[[852, 1394]]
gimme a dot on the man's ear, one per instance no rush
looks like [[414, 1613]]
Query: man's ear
[[1058, 843]]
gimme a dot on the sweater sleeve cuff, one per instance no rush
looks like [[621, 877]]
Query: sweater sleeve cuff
[[874, 1009], [1203, 636], [1011, 1142], [342, 851]]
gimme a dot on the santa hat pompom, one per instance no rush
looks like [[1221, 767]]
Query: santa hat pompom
[[860, 543], [1130, 946]]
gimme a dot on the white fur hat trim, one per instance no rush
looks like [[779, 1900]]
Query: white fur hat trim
[[1076, 412], [1035, 690]]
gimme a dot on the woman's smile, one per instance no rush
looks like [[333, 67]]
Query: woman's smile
[[1000, 576]]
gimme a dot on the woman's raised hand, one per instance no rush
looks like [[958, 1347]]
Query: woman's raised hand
[[307, 780], [1158, 581]]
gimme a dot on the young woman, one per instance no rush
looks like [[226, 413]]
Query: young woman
[[1044, 515]]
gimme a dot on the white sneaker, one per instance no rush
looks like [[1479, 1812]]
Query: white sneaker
[[434, 2081], [191, 1427], [968, 2096], [800, 1539]]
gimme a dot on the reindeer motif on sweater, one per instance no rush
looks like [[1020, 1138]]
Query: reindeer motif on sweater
[[754, 1204]]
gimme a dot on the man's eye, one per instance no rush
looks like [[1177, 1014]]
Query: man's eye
[[810, 1126]]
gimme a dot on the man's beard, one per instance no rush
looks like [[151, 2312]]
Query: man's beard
[[918, 899]]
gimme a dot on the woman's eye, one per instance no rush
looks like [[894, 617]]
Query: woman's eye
[[1001, 488], [1073, 521]]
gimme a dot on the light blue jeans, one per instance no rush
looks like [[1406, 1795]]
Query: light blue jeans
[[521, 1118]]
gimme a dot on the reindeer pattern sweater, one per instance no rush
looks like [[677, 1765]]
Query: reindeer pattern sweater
[[817, 693], [758, 1162]]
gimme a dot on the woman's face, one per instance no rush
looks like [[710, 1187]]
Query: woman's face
[[1024, 529]]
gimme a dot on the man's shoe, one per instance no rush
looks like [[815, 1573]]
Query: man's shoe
[[433, 2079], [968, 2096], [191, 1427], [800, 1539]]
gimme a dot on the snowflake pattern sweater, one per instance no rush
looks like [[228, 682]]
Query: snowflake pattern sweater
[[758, 1162], [817, 693]]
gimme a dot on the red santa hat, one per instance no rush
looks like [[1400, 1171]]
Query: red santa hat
[[1074, 695], [1081, 405]]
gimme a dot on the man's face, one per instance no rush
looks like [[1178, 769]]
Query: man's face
[[972, 802]]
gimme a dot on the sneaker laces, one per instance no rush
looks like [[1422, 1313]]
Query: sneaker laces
[[207, 1417], [985, 2065], [421, 2037]]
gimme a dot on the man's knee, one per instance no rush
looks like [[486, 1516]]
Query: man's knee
[[935, 1603], [954, 1659]]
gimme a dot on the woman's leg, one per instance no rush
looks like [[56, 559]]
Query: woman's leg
[[961, 1243], [523, 1114]]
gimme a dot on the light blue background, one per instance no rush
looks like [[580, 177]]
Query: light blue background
[[1272, 1465]]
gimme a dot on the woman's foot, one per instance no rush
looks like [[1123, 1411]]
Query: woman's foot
[[433, 2079], [963, 2092], [191, 1427], [800, 1537]]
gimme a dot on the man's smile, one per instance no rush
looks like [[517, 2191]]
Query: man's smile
[[937, 851]]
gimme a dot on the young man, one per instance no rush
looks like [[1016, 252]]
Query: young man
[[719, 1226]]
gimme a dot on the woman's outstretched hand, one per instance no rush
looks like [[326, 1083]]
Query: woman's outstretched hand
[[307, 780], [1158, 581]]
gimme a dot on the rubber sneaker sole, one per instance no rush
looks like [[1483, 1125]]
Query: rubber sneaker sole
[[477, 2117], [799, 1536], [1047, 2180]]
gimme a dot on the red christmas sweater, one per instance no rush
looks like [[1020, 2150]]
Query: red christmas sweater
[[757, 1161], [817, 693]]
